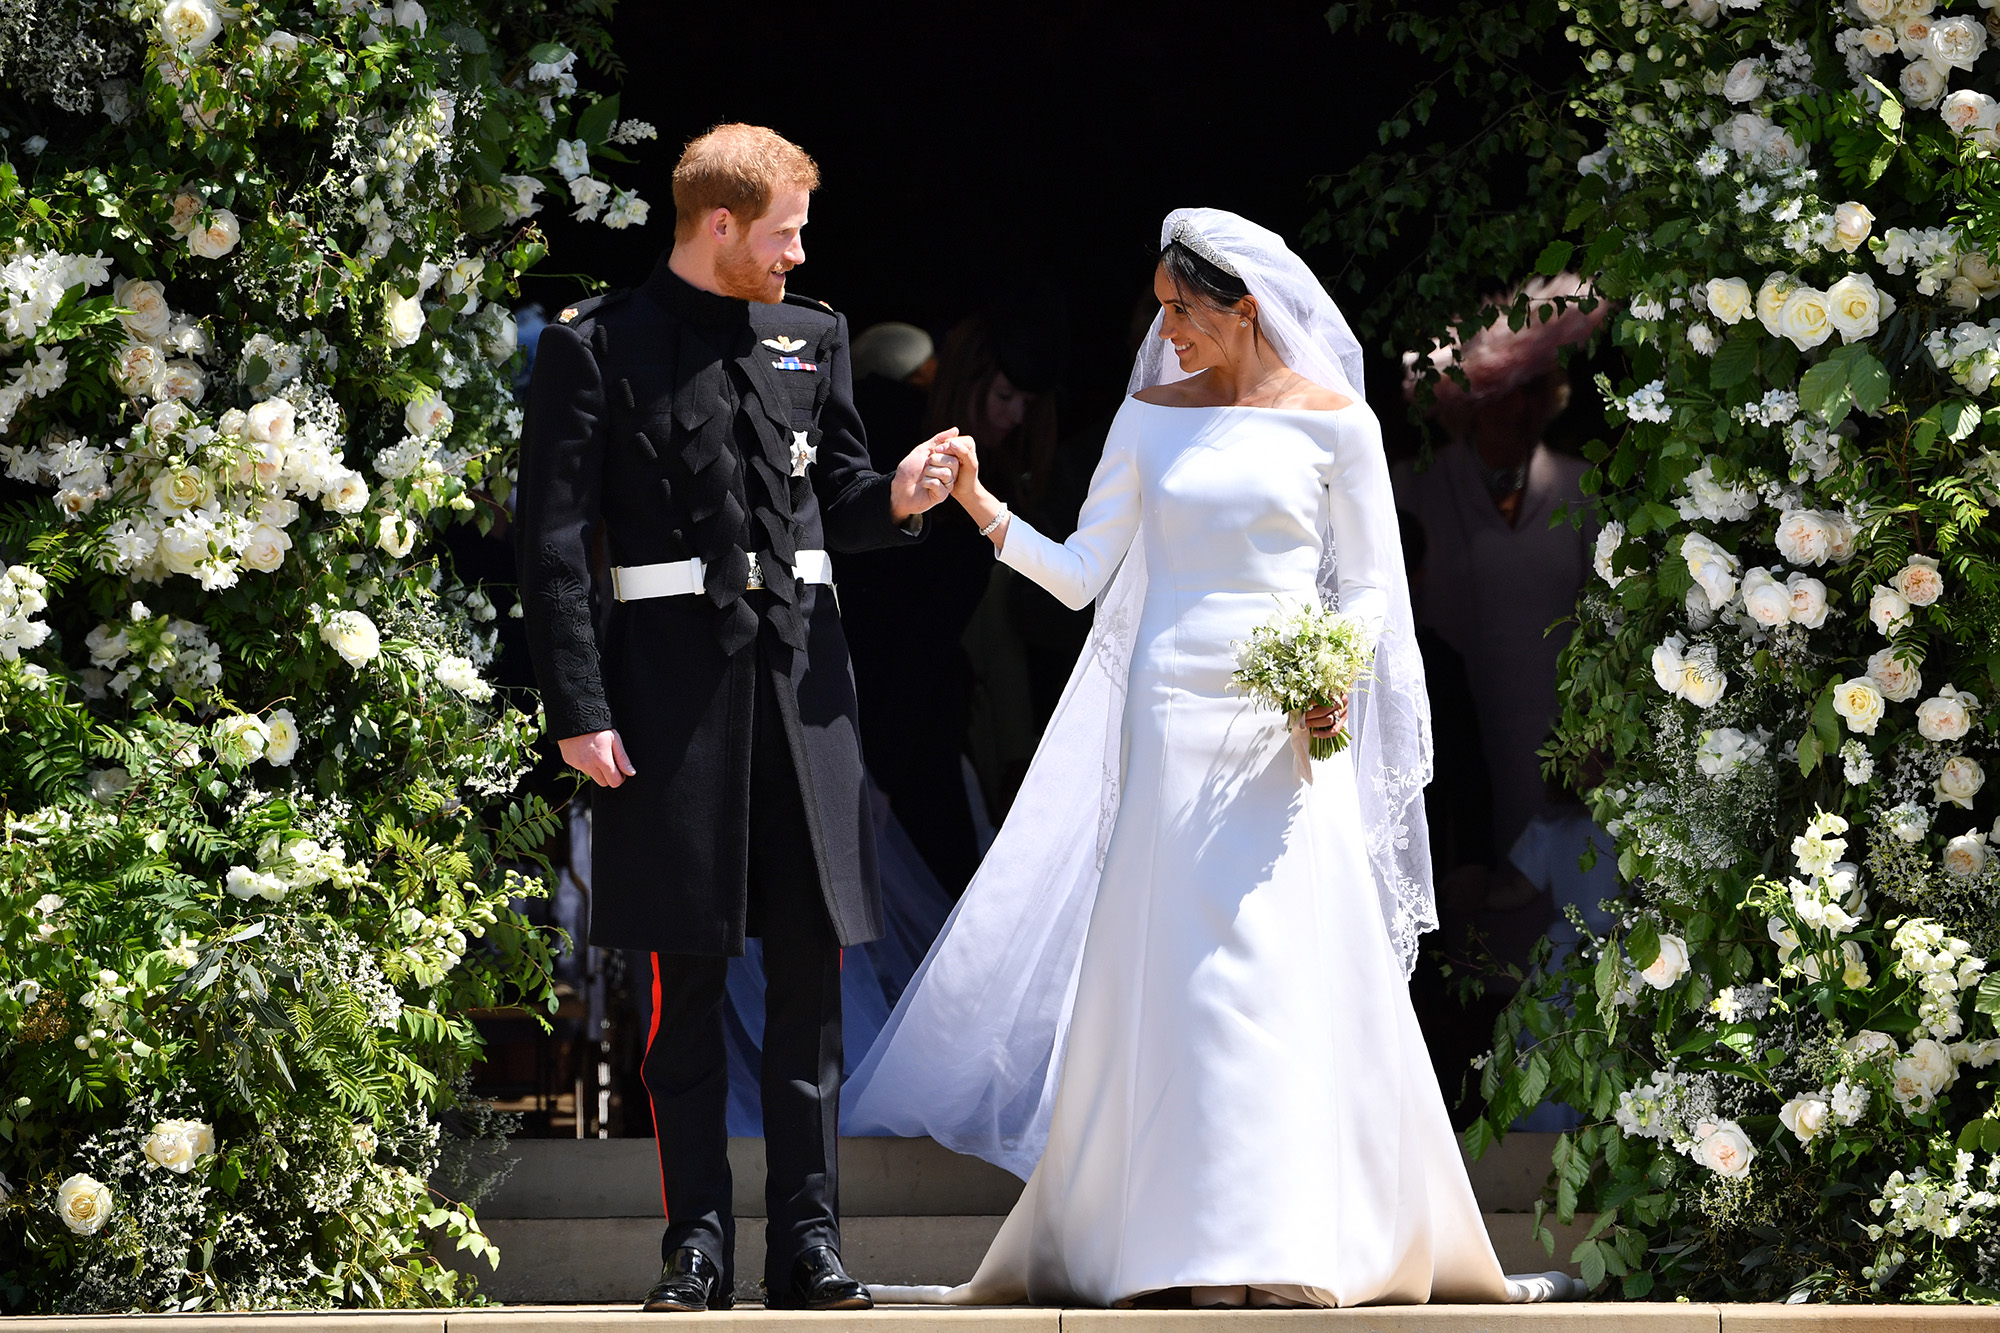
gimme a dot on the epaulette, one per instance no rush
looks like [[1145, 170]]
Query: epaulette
[[808, 303], [582, 310]]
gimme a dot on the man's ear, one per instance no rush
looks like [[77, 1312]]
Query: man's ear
[[720, 223]]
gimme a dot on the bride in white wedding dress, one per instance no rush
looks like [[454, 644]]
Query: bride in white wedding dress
[[1175, 995]]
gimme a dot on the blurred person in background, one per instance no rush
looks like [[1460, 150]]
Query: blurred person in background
[[1503, 570]]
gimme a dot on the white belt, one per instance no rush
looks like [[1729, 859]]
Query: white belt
[[680, 578]]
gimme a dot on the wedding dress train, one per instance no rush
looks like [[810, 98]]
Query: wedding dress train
[[1242, 1097]]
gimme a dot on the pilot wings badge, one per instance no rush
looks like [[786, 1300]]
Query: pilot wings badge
[[784, 344]]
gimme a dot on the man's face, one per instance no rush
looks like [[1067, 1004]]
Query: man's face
[[752, 263]]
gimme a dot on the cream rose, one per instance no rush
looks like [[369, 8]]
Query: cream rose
[[1860, 703], [138, 368], [1670, 966], [1806, 1116], [1702, 680], [150, 316], [264, 549], [84, 1204], [189, 25], [1668, 659], [216, 239], [179, 489], [1919, 581], [1960, 294], [1726, 1150], [1925, 1071], [428, 416], [1966, 111], [1897, 677], [396, 535], [182, 381], [1959, 781], [1840, 536], [1871, 1045], [1767, 601], [1943, 717], [282, 731], [1729, 299], [1713, 568], [176, 1145], [245, 883], [1978, 270], [1857, 307], [1955, 43], [346, 492], [185, 207], [1874, 11], [1744, 82], [352, 635], [1771, 297], [1806, 318], [239, 739], [1888, 610], [1808, 599], [1965, 855], [1804, 537], [1921, 82], [1851, 224], [405, 319], [271, 422]]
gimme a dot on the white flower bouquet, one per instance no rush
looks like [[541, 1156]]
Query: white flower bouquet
[[1304, 659]]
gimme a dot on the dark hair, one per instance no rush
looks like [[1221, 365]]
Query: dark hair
[[1191, 274]]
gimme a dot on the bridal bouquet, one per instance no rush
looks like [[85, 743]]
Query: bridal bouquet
[[1308, 658]]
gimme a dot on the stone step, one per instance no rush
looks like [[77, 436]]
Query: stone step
[[592, 1259], [879, 1177]]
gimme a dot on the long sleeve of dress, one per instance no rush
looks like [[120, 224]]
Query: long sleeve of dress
[[1075, 571], [1361, 513]]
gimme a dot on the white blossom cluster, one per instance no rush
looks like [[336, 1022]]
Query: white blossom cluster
[[1941, 966], [1924, 1203], [22, 598]]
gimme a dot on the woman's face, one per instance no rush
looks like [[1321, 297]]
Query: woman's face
[[1189, 326], [1004, 407]]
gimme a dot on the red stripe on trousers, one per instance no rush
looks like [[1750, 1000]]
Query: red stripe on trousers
[[651, 1033]]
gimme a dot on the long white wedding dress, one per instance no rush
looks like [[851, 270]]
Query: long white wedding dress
[[1244, 1098]]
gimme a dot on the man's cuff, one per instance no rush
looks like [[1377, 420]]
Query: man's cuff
[[913, 525]]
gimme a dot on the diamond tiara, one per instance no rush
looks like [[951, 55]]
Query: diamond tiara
[[1184, 233]]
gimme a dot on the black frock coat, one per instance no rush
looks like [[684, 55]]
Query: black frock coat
[[667, 423]]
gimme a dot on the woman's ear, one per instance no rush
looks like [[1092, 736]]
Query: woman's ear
[[1246, 309]]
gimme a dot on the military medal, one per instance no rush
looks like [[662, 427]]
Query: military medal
[[802, 453], [784, 344], [792, 363]]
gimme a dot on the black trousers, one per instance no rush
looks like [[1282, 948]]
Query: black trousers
[[686, 1068]]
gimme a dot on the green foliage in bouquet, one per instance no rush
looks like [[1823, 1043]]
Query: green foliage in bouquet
[[1781, 694], [1302, 659], [259, 855]]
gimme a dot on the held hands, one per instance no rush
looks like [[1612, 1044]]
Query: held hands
[[599, 756], [925, 477], [974, 498], [1325, 721]]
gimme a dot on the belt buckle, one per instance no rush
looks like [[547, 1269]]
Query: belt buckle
[[756, 579]]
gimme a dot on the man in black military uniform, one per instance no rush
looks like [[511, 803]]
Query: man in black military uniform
[[691, 454]]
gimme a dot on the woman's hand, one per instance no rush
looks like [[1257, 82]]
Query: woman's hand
[[966, 450], [1325, 721], [977, 501]]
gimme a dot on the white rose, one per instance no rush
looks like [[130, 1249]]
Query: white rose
[[181, 381], [1808, 599], [282, 732], [1705, 12], [405, 319], [108, 784], [1609, 538], [216, 239], [1961, 294], [1805, 318], [410, 14], [1713, 568], [271, 422], [1955, 43], [189, 25], [281, 43], [178, 489], [1966, 111], [1851, 224], [1979, 270], [1874, 11], [1767, 601], [352, 635], [1668, 659], [1921, 1074], [1922, 84], [1803, 537], [1860, 703], [1888, 610], [1856, 307], [1919, 581], [84, 1204], [1744, 82], [147, 300], [1726, 1151], [264, 549], [138, 368], [1943, 718], [1959, 781], [1840, 536], [346, 492], [1877, 41], [171, 1146], [1897, 677], [1729, 299], [1871, 1045], [1806, 1116], [1908, 822], [1771, 297], [239, 739], [501, 339], [245, 883], [1670, 966], [1965, 855], [428, 416], [459, 675], [396, 535]]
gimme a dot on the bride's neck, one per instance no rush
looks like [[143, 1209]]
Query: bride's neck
[[1255, 375]]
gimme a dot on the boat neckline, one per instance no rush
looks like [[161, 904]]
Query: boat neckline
[[1248, 407]]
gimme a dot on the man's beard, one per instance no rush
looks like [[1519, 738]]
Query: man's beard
[[739, 274]]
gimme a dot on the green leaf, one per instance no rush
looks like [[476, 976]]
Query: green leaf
[[1824, 390], [1989, 995], [1554, 258], [1868, 380], [1735, 362], [1477, 1138], [1959, 417], [549, 53], [1638, 1286], [595, 124], [1589, 1258], [1643, 944]]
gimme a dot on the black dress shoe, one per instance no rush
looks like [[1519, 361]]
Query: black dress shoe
[[689, 1282], [818, 1282]]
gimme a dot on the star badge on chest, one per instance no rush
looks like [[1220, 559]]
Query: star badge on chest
[[784, 344], [803, 454]]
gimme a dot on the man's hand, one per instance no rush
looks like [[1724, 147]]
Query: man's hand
[[925, 478], [599, 756], [1326, 721]]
